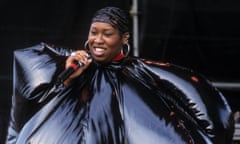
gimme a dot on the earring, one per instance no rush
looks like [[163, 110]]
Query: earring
[[127, 51], [86, 46]]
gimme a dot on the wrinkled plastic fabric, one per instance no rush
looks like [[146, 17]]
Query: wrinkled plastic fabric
[[133, 101]]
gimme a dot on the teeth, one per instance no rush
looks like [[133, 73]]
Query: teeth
[[99, 49]]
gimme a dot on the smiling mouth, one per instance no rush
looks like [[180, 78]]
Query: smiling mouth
[[98, 51]]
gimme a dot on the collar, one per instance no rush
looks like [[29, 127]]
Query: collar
[[119, 57]]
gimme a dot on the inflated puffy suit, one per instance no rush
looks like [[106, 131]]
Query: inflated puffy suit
[[129, 101]]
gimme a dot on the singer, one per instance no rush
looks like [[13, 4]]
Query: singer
[[112, 98]]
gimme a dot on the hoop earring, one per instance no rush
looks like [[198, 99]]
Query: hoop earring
[[127, 51], [86, 46]]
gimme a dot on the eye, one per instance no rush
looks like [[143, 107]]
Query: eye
[[108, 34], [93, 32]]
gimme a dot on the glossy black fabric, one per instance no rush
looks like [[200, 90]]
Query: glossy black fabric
[[131, 101]]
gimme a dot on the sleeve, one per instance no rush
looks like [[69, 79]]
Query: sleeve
[[34, 72]]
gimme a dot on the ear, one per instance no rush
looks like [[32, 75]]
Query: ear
[[125, 37]]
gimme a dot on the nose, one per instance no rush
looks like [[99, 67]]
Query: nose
[[98, 39]]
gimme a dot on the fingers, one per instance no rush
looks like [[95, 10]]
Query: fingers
[[79, 56]]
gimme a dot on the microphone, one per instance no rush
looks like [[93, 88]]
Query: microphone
[[70, 70]]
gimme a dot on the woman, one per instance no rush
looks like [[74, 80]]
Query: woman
[[112, 98]]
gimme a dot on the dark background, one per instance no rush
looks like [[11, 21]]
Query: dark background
[[203, 35]]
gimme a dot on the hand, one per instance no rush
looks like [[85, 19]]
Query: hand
[[79, 56]]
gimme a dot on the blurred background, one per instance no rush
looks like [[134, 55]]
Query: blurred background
[[203, 35]]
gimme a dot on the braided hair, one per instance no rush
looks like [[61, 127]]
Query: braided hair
[[114, 16]]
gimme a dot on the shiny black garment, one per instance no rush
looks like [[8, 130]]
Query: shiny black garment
[[133, 101]]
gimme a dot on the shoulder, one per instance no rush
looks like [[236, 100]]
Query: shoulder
[[37, 66]]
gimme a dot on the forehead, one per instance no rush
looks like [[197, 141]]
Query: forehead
[[102, 25]]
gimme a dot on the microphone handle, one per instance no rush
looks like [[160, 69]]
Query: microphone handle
[[67, 72]]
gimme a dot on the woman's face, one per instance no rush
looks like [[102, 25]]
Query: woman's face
[[104, 42]]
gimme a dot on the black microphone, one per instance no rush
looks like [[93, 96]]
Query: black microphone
[[70, 70]]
